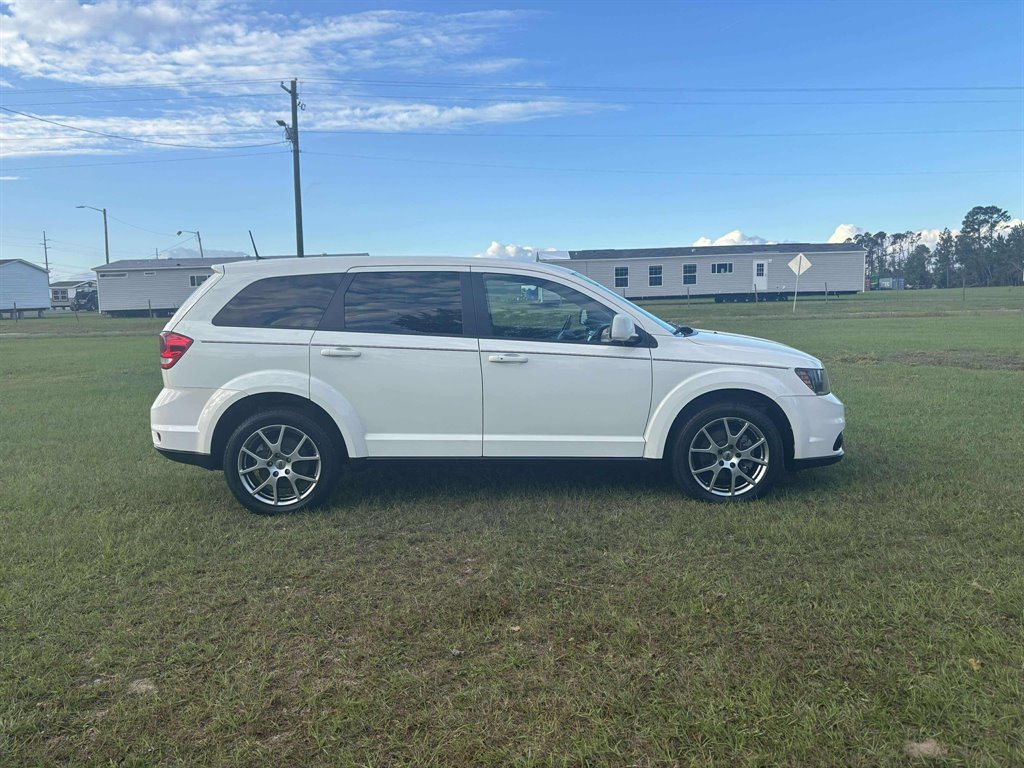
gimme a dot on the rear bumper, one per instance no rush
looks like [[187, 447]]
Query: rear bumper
[[204, 460]]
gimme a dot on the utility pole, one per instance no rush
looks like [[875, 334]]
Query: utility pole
[[46, 253], [291, 133]]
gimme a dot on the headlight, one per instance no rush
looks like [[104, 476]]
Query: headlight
[[816, 380]]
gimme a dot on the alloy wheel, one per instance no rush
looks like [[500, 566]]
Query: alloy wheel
[[279, 465], [728, 456]]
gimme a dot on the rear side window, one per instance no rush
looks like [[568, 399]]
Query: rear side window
[[419, 303], [294, 301]]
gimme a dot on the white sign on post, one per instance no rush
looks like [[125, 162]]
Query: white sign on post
[[799, 265]]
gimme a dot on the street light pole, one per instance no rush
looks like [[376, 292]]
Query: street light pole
[[106, 239], [198, 237]]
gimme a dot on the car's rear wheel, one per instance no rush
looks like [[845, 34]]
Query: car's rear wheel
[[280, 461], [727, 452]]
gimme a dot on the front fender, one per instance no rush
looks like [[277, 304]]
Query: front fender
[[704, 382]]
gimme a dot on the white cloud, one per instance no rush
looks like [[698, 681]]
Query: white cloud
[[110, 42], [5, 83], [845, 232], [210, 253], [180, 45], [498, 250], [10, 178], [736, 237], [246, 122]]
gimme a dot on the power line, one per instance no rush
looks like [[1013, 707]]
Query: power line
[[666, 89], [139, 162], [167, 84], [180, 242], [505, 135], [654, 172], [129, 138], [696, 135], [112, 102], [143, 229]]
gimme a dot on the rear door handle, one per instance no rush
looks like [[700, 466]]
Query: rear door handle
[[340, 352], [508, 357]]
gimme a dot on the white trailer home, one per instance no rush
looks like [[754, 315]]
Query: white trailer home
[[24, 287], [138, 286], [63, 292], [725, 272]]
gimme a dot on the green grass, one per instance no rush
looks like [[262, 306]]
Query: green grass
[[526, 613]]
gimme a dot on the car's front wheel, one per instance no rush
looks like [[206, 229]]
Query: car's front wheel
[[280, 461], [727, 452]]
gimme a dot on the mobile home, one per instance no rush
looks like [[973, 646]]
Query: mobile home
[[725, 272], [24, 287], [160, 286]]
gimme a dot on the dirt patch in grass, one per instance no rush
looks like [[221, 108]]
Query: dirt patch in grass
[[929, 748], [973, 359]]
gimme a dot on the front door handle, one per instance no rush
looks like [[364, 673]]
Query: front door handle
[[340, 352], [508, 357]]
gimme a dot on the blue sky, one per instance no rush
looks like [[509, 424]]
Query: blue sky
[[439, 128]]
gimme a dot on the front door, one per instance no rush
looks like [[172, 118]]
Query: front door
[[761, 276], [554, 385], [393, 344]]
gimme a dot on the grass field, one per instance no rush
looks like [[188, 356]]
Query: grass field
[[870, 613]]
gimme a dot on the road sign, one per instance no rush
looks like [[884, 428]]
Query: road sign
[[800, 264]]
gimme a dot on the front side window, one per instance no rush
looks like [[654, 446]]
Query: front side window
[[622, 277], [654, 275], [689, 274], [533, 309], [194, 280], [760, 269], [419, 303], [293, 301], [723, 268]]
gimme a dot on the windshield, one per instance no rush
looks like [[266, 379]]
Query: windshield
[[608, 292]]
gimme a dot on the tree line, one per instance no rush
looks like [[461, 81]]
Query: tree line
[[984, 252]]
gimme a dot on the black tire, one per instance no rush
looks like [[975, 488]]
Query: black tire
[[279, 465], [714, 448]]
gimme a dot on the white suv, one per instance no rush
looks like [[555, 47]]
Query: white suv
[[278, 371]]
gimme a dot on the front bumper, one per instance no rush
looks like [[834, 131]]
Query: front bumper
[[818, 422], [204, 460]]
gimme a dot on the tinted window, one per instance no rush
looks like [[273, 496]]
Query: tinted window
[[521, 307], [295, 301], [428, 303]]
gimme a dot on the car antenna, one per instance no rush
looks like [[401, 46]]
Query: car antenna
[[253, 241]]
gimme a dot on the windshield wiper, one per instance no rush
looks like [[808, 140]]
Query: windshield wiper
[[683, 330]]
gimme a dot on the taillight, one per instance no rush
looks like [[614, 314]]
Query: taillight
[[172, 347]]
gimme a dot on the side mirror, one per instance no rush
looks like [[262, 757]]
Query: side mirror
[[623, 329]]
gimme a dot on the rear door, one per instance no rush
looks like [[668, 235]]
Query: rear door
[[397, 345], [554, 385]]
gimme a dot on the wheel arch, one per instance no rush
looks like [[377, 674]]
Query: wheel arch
[[249, 405], [752, 398]]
